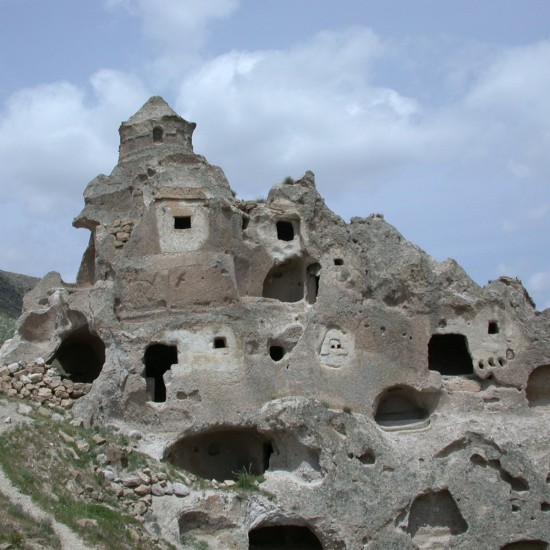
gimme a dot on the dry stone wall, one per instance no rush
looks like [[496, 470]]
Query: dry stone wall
[[387, 400]]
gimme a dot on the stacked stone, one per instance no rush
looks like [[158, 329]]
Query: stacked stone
[[144, 485], [41, 383], [121, 230]]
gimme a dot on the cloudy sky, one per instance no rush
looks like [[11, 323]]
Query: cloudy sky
[[435, 113]]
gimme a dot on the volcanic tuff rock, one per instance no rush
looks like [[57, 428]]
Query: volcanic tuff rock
[[389, 401]]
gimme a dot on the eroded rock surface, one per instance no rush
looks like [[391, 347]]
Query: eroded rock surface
[[387, 399]]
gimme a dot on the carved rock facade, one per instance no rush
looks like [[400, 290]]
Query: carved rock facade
[[389, 400]]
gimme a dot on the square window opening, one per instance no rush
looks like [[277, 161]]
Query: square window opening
[[182, 222], [220, 342], [285, 231], [492, 327]]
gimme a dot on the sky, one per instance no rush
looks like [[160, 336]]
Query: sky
[[435, 113]]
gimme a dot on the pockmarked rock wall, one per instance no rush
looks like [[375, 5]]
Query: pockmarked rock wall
[[388, 400]]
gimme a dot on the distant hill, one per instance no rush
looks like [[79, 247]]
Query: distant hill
[[13, 287]]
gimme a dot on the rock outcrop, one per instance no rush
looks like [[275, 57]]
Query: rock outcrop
[[386, 398]]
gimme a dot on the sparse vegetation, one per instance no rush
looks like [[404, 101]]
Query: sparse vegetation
[[18, 529], [247, 481], [288, 180], [191, 542], [62, 479], [7, 327]]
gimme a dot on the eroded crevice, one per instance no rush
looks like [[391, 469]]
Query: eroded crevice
[[468, 440], [516, 483]]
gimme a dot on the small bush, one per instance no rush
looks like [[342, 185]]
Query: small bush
[[247, 481]]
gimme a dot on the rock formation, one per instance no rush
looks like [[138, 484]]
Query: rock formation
[[389, 401]]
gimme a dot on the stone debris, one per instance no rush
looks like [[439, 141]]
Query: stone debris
[[21, 379]]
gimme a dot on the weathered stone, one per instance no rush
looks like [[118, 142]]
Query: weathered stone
[[43, 411], [131, 481], [24, 409], [83, 446], [180, 490], [98, 439], [142, 490], [14, 367], [35, 377], [86, 522], [389, 400], [116, 489], [157, 490], [45, 393], [66, 437], [139, 508], [144, 478]]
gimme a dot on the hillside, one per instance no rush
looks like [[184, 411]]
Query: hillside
[[13, 287]]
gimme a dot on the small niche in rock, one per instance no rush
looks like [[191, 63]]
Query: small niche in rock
[[538, 387], [401, 407], [435, 513], [285, 282], [220, 342], [80, 356], [158, 135], [285, 230], [222, 454], [338, 261], [449, 355], [158, 359], [526, 545], [367, 458], [298, 537], [492, 327], [276, 352]]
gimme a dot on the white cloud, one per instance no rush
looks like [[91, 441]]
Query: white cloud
[[53, 139], [180, 24], [286, 111], [539, 283]]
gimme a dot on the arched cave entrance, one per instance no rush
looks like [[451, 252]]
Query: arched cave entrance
[[526, 545], [158, 359], [80, 356], [275, 537], [403, 406], [222, 454], [538, 387], [449, 355]]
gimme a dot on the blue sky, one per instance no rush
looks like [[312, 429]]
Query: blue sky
[[434, 113]]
